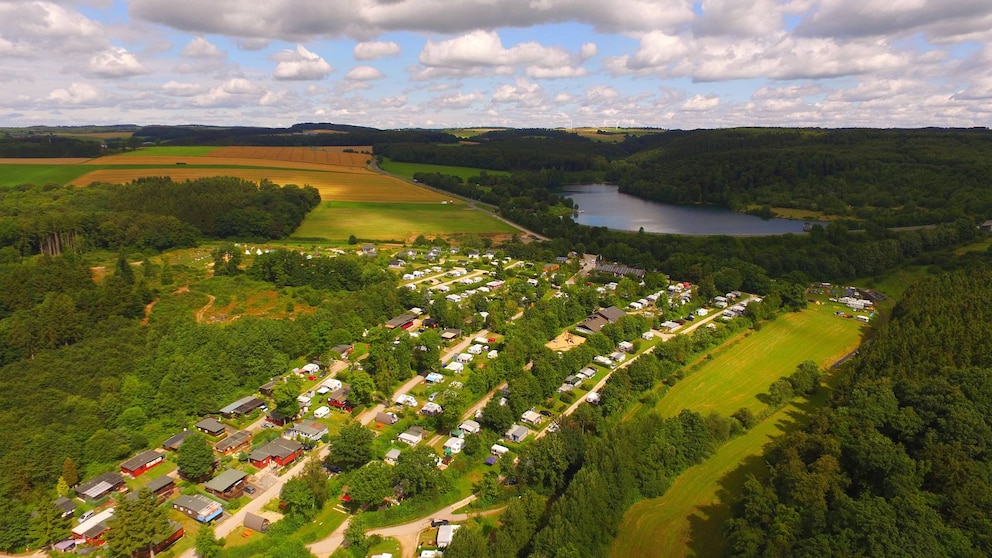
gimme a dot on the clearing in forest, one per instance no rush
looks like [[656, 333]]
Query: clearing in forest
[[737, 374], [395, 221]]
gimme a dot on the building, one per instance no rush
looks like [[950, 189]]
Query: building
[[173, 443], [449, 335], [498, 450], [403, 321], [517, 433], [309, 430], [269, 388], [600, 318], [142, 462], [177, 532], [91, 531], [210, 426], [242, 406], [100, 486], [454, 445], [392, 456], [530, 417], [339, 399], [227, 485], [239, 440], [276, 418], [66, 506], [626, 346], [256, 523], [413, 436], [386, 418], [470, 427], [431, 409], [620, 270], [343, 350], [445, 534], [162, 487], [199, 507], [280, 451]]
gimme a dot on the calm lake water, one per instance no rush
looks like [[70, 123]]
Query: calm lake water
[[603, 205]]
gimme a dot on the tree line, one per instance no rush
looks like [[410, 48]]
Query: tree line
[[898, 463]]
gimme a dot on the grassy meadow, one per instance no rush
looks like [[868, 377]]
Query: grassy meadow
[[409, 169], [17, 174], [334, 220], [739, 372]]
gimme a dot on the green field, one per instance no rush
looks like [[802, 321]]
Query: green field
[[174, 150], [688, 519], [15, 175], [735, 375], [407, 170], [395, 221]]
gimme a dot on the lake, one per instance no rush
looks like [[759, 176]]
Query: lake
[[602, 205]]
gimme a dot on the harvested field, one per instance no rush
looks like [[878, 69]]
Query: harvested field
[[335, 220], [357, 186], [213, 162], [319, 155], [43, 161]]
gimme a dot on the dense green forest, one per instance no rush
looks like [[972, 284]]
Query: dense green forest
[[296, 135], [154, 213], [895, 177], [900, 463], [49, 145]]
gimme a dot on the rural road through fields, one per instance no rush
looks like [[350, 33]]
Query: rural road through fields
[[474, 204]]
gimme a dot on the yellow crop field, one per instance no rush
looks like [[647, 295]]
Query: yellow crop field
[[43, 161], [321, 155], [356, 186], [171, 161]]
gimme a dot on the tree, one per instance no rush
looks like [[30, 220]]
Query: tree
[[227, 258], [166, 271], [299, 498], [316, 478], [488, 486], [194, 457], [207, 545], [355, 536], [123, 269], [467, 542], [14, 527], [352, 447], [138, 524], [495, 416], [62, 488], [352, 239], [48, 526], [806, 379], [362, 386], [370, 484], [746, 417], [779, 392], [285, 396], [417, 470]]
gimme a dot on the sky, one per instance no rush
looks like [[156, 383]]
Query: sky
[[519, 63]]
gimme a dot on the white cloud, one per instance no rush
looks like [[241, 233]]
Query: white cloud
[[522, 94], [588, 50], [701, 103], [41, 28], [539, 72], [456, 101], [115, 62], [601, 94], [248, 43], [564, 98], [472, 53], [202, 48], [742, 18], [179, 89], [77, 94], [301, 64], [375, 50], [364, 73]]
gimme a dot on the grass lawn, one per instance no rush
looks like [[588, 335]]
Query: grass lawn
[[688, 519], [395, 221], [409, 169], [738, 372], [174, 150], [16, 174]]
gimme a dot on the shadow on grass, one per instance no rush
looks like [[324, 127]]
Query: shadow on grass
[[706, 538]]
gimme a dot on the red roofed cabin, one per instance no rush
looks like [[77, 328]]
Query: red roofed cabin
[[142, 462]]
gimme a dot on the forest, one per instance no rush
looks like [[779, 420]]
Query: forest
[[900, 462], [149, 213], [48, 145]]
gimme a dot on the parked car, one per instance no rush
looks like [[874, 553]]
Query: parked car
[[436, 522], [249, 489], [545, 412], [86, 515]]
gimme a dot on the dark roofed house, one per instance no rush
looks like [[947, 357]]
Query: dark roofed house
[[236, 441], [403, 321], [92, 529], [276, 418], [343, 350], [162, 487], [210, 426], [280, 450], [100, 486], [242, 406], [267, 388], [174, 442], [175, 531], [339, 398], [66, 506], [199, 507], [451, 334], [600, 318], [227, 485], [142, 462], [620, 270]]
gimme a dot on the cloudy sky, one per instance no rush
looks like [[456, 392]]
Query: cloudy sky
[[546, 63]]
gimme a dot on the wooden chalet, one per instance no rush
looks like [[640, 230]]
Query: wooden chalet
[[211, 427], [227, 485], [137, 465], [280, 450], [239, 440]]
